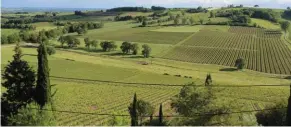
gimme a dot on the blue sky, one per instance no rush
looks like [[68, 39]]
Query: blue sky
[[146, 3]]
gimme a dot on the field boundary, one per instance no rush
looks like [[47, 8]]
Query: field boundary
[[177, 44]]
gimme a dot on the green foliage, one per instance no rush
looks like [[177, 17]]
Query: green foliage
[[32, 116], [94, 43], [108, 45], [177, 21], [143, 109], [192, 100], [184, 21], [241, 19], [146, 51], [125, 47], [240, 63], [18, 78], [4, 39], [208, 80], [192, 21], [133, 111], [87, 42], [117, 120], [201, 21], [144, 23], [212, 14], [285, 26], [51, 50], [43, 87], [70, 40], [134, 48], [13, 38], [276, 116]]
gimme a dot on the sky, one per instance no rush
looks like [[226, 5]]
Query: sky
[[145, 3]]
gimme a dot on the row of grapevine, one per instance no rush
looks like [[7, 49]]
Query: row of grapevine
[[267, 53], [107, 99]]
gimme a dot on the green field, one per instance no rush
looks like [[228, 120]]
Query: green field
[[91, 81], [93, 96], [8, 31]]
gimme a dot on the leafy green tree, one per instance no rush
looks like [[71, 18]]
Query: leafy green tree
[[240, 63], [288, 8], [144, 23], [13, 38], [51, 50], [285, 26], [24, 35], [108, 46], [192, 21], [212, 14], [146, 50], [134, 48], [256, 6], [4, 39], [62, 40], [192, 100], [43, 87], [184, 21], [87, 42], [81, 30], [201, 21], [125, 47], [19, 80], [133, 111], [94, 43], [288, 117], [177, 21], [208, 80]]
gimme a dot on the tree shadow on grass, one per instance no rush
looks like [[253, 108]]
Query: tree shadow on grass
[[228, 69]]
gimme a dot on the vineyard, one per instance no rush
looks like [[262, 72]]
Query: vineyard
[[104, 98], [263, 50], [93, 103]]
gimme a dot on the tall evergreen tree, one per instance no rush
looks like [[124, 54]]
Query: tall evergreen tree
[[161, 115], [288, 117], [133, 111], [43, 88], [19, 80]]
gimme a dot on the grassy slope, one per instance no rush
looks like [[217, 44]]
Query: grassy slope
[[266, 24], [86, 96]]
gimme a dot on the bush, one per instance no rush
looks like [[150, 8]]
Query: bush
[[274, 117], [51, 50]]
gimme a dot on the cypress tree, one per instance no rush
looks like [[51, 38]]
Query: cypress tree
[[288, 117], [43, 88], [208, 80], [161, 115], [133, 112]]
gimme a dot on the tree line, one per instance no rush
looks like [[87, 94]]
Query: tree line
[[267, 14]]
